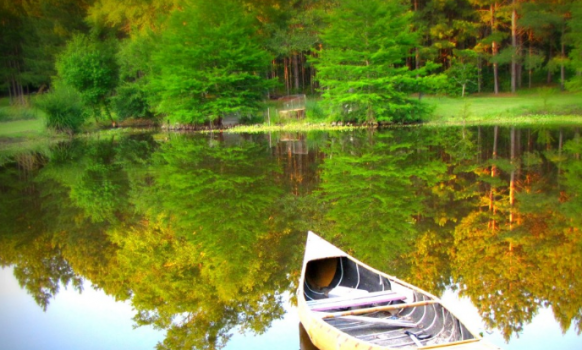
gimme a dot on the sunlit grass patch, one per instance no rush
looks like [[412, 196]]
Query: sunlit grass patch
[[541, 106], [21, 135], [297, 126], [21, 128], [524, 120]]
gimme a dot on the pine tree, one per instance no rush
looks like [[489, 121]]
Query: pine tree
[[362, 66], [576, 54]]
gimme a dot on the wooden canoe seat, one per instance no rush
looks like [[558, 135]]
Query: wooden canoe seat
[[354, 301]]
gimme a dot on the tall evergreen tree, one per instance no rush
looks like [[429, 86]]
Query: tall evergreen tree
[[362, 66], [537, 20], [576, 38], [492, 20], [11, 61]]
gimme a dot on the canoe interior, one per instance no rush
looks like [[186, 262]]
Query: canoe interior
[[323, 275], [398, 327]]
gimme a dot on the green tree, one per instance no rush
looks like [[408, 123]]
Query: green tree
[[49, 24], [292, 30], [131, 17], [547, 22], [463, 70], [134, 59], [362, 67], [210, 63], [32, 33], [576, 54], [11, 61], [491, 19], [89, 66], [444, 26]]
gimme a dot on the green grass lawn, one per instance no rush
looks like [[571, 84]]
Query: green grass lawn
[[22, 128], [543, 106], [19, 126], [19, 135]]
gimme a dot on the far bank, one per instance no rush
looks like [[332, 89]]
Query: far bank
[[534, 107]]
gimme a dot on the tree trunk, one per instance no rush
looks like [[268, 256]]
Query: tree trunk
[[514, 48], [296, 71], [494, 50], [302, 72], [529, 71], [312, 79], [519, 66], [21, 100], [549, 78], [15, 87], [274, 69], [10, 99], [286, 74], [312, 76], [479, 74], [562, 67], [12, 84], [495, 75]]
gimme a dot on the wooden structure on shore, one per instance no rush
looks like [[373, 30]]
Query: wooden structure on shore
[[292, 107]]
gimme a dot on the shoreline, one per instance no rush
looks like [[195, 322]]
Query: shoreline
[[33, 135]]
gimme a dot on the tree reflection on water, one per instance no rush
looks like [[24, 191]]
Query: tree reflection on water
[[205, 233]]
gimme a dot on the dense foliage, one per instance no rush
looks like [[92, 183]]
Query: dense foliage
[[89, 66], [196, 61], [63, 109], [208, 63], [363, 72]]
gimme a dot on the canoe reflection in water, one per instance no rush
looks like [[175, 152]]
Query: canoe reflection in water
[[345, 304]]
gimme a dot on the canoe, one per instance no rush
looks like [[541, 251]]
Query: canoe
[[345, 304]]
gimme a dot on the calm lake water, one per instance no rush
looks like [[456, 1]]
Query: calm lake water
[[188, 241]]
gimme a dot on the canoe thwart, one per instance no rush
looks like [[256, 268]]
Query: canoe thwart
[[346, 302], [380, 321], [379, 308]]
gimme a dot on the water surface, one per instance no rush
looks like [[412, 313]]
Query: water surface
[[197, 240]]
